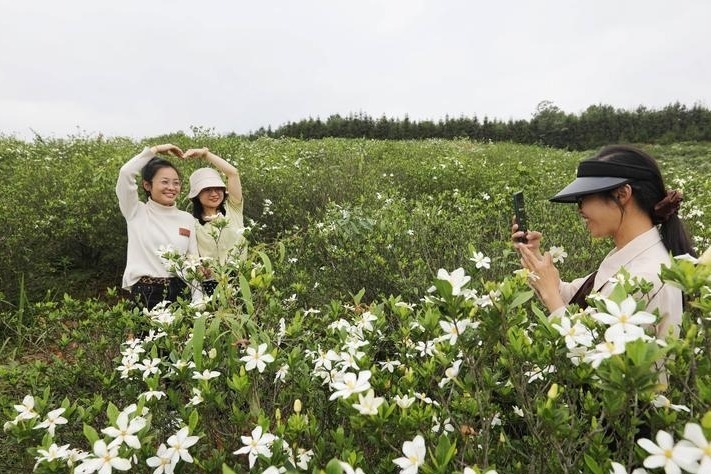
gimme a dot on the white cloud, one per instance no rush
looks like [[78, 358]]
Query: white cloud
[[144, 68]]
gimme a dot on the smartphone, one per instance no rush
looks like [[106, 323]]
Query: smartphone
[[520, 213]]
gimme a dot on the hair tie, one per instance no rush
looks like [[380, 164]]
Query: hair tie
[[668, 206]]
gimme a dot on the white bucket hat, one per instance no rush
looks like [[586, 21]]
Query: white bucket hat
[[204, 178]]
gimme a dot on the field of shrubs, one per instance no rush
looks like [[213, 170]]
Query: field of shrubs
[[378, 324]]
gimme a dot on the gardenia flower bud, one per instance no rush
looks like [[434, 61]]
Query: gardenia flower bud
[[553, 391], [297, 406]]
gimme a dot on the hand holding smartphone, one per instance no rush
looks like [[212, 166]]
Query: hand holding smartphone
[[520, 213]]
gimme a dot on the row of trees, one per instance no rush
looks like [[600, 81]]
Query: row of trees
[[596, 126]]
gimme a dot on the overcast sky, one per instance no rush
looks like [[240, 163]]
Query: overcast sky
[[142, 68]]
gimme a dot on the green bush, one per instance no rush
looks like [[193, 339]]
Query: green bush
[[475, 369]]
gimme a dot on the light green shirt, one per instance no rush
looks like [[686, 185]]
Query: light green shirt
[[228, 241]]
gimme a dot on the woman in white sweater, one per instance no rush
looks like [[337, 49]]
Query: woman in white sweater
[[154, 224]]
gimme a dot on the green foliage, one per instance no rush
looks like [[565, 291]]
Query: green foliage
[[344, 231], [501, 391], [401, 209]]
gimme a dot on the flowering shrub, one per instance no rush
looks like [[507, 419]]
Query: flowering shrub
[[469, 378]]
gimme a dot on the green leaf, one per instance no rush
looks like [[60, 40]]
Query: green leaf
[[193, 420], [90, 434], [266, 261], [246, 294], [334, 467], [198, 340], [593, 465], [521, 298], [444, 452], [227, 470], [112, 412], [706, 420]]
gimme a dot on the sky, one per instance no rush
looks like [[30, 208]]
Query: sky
[[150, 67]]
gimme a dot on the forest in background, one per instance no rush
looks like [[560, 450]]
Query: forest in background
[[596, 126]]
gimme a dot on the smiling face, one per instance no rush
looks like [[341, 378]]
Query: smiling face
[[211, 198], [164, 188], [601, 214]]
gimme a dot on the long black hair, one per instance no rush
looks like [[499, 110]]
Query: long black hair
[[198, 209], [649, 192], [151, 168]]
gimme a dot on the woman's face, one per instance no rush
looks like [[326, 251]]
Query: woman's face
[[164, 188], [601, 214], [211, 198]]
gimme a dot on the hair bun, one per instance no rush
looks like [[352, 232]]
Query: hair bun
[[668, 206]]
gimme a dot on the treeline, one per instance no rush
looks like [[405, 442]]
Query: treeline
[[597, 125]]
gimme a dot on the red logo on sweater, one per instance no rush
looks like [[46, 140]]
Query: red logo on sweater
[[184, 231]]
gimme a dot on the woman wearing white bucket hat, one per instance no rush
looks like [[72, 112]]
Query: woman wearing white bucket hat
[[213, 201], [620, 194]]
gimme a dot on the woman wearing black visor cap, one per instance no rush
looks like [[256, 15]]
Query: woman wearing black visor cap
[[620, 194]]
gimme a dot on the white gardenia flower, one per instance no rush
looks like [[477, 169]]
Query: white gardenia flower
[[206, 374], [365, 320], [403, 304], [537, 373], [149, 367], [575, 334], [124, 431], [451, 372], [518, 411], [257, 358], [104, 461], [624, 322], [369, 404], [423, 396], [197, 397], [453, 330], [415, 452], [274, 470], [660, 401], [162, 461], [390, 365], [181, 364], [667, 455], [304, 458], [457, 279], [281, 373], [405, 401], [256, 444], [558, 254], [446, 424], [151, 394], [426, 348], [26, 410], [618, 468], [701, 448], [351, 384], [180, 442], [480, 260], [348, 469], [603, 351], [52, 453], [282, 331], [51, 421]]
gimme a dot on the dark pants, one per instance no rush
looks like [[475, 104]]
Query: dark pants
[[148, 295], [208, 287]]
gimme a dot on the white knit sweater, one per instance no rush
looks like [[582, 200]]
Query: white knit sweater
[[150, 226]]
